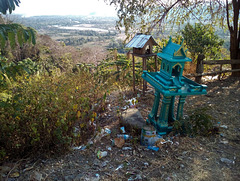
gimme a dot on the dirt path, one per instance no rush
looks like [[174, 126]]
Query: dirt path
[[201, 158]]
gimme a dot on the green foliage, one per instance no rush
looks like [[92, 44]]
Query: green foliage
[[148, 15], [10, 71], [201, 39], [8, 5], [43, 113], [199, 122], [13, 32]]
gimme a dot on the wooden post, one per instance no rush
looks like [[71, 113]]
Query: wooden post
[[156, 63], [133, 73], [128, 55], [219, 76], [199, 68], [144, 82]]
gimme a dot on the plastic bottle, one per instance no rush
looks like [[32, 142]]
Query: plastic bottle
[[122, 129], [101, 154], [124, 136], [153, 148]]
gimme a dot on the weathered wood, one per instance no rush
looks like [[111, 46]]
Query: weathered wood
[[133, 62], [219, 76], [156, 63], [144, 58], [199, 68], [213, 73], [144, 82], [128, 55], [214, 62], [145, 55]]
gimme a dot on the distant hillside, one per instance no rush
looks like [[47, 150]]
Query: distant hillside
[[76, 31]]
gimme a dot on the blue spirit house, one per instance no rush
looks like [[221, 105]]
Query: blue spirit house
[[170, 83]]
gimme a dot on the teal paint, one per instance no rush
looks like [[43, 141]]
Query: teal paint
[[170, 83]]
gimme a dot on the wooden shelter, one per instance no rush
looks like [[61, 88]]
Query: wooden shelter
[[142, 47]]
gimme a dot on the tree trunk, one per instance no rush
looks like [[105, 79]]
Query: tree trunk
[[236, 74], [235, 52], [235, 37]]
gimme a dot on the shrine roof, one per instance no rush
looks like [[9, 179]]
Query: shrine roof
[[174, 52], [139, 40]]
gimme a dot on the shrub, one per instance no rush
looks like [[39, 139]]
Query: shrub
[[43, 113], [9, 72], [199, 122]]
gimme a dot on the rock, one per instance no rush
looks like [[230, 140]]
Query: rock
[[138, 177], [104, 164], [78, 177], [69, 178], [132, 119], [37, 176], [182, 166], [4, 170], [14, 174], [95, 178]]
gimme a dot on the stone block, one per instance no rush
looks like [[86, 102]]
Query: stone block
[[132, 119]]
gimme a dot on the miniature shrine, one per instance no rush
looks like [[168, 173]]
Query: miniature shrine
[[142, 47], [169, 82]]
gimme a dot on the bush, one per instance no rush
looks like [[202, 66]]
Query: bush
[[199, 122], [43, 113], [9, 72]]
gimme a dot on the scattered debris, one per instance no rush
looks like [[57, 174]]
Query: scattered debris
[[119, 167], [161, 142], [109, 149], [149, 136], [132, 102], [224, 126], [154, 148], [119, 142], [101, 154], [176, 155], [124, 136], [146, 164], [227, 161], [82, 147], [122, 129], [107, 131], [224, 141], [126, 148]]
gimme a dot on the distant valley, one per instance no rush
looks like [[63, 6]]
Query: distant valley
[[77, 31]]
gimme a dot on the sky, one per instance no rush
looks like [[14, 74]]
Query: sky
[[65, 7]]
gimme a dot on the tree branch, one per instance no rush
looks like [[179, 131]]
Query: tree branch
[[162, 16], [236, 16], [228, 23]]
